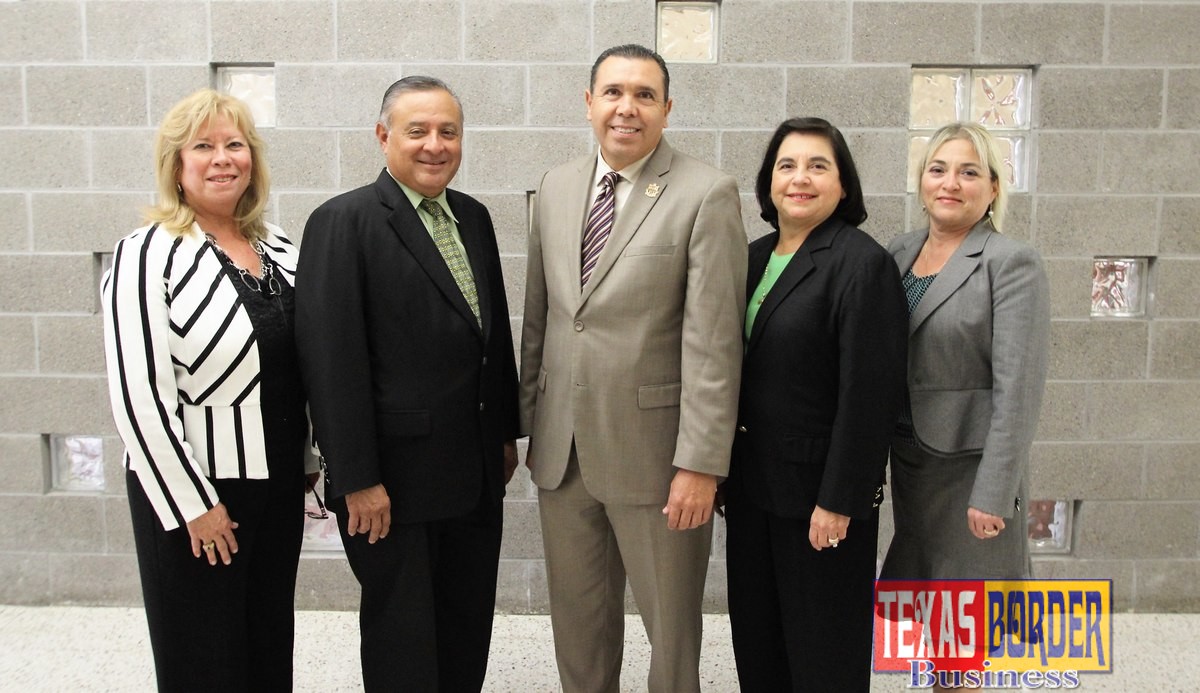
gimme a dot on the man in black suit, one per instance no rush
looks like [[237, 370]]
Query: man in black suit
[[404, 341]]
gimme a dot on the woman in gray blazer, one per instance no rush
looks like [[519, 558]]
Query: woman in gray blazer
[[206, 396], [979, 322]]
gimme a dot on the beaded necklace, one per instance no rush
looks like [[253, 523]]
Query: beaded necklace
[[252, 282]]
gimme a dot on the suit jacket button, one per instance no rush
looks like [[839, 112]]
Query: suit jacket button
[[742, 429], [579, 326], [482, 406], [485, 360]]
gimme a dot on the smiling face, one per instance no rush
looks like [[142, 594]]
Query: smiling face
[[627, 109], [956, 187], [423, 143], [214, 170], [806, 185]]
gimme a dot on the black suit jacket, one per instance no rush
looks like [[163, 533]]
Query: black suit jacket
[[404, 387], [823, 376]]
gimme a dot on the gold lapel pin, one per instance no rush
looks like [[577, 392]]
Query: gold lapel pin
[[652, 190]]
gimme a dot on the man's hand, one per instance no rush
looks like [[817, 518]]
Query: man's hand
[[690, 502], [369, 511], [826, 528], [984, 525], [510, 460]]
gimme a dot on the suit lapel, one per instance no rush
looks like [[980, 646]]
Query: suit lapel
[[470, 229], [956, 270], [577, 203], [798, 268]]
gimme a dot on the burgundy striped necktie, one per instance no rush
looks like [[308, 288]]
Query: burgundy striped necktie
[[599, 225]]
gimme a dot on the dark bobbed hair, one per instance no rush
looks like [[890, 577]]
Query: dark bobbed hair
[[408, 85], [850, 209], [633, 51]]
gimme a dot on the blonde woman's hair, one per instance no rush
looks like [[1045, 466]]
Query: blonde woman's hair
[[180, 126], [989, 155]]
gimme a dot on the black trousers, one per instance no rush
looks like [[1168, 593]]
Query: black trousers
[[224, 628], [801, 619], [428, 595]]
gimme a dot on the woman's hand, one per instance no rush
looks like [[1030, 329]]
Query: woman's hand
[[212, 533], [984, 525], [826, 529]]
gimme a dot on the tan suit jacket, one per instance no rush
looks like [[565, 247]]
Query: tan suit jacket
[[641, 367]]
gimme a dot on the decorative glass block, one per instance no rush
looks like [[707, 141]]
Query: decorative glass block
[[1000, 98], [76, 463], [916, 149], [1050, 526], [687, 31], [319, 534], [255, 86], [938, 97], [1013, 157], [1118, 287]]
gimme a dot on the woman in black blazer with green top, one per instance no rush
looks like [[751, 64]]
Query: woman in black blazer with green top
[[822, 379]]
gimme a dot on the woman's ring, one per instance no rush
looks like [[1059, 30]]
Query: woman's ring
[[208, 546], [990, 532], [833, 541]]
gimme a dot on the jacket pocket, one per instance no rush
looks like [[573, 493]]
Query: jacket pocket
[[405, 423], [655, 396], [635, 250], [542, 374]]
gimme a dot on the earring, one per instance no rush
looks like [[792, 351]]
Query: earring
[[989, 211], [179, 189]]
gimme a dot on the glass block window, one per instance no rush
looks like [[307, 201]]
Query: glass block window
[[1050, 526], [1119, 287], [253, 84], [320, 534], [993, 97], [687, 31], [76, 463]]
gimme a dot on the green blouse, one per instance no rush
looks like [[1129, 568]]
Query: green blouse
[[775, 266]]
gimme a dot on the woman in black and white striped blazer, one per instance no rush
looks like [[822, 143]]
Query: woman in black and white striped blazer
[[208, 401]]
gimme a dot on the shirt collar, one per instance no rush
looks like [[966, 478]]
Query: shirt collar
[[415, 198], [628, 174]]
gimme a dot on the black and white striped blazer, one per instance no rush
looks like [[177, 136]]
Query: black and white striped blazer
[[183, 367]]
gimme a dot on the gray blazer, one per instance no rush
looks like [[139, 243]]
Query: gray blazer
[[978, 344]]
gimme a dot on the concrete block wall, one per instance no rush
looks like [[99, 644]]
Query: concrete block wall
[[1114, 170]]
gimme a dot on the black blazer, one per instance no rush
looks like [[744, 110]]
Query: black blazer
[[823, 376], [404, 387]]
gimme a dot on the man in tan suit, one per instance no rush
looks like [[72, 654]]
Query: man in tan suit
[[630, 361]]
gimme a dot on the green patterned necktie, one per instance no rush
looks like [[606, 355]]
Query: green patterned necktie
[[455, 261]]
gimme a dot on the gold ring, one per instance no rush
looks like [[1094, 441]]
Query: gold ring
[[833, 541], [208, 546], [990, 532]]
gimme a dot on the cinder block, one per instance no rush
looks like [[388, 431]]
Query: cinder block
[[43, 159], [1098, 98], [118, 526], [95, 580], [526, 32], [539, 592], [1086, 471], [1070, 568], [168, 84], [74, 222], [513, 267], [1153, 34], [521, 488], [885, 219], [70, 344], [332, 95], [18, 345], [390, 31], [491, 95], [327, 583], [1183, 99], [1068, 162], [55, 405], [12, 107], [522, 530], [1143, 410], [55, 523], [14, 223], [24, 577], [742, 153], [726, 96], [1168, 586], [512, 586], [47, 284], [1175, 294], [914, 32], [1150, 163], [1070, 287], [1042, 34], [1179, 232], [510, 218], [716, 589], [294, 209], [1116, 530], [1018, 220], [752, 218], [1098, 350], [270, 32], [510, 160], [301, 159], [86, 95], [881, 158], [1171, 471], [124, 160], [617, 22], [147, 31], [755, 31], [849, 97], [1096, 225], [22, 462], [38, 32], [556, 95], [1064, 412], [361, 160], [701, 144], [114, 466], [1175, 350]]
